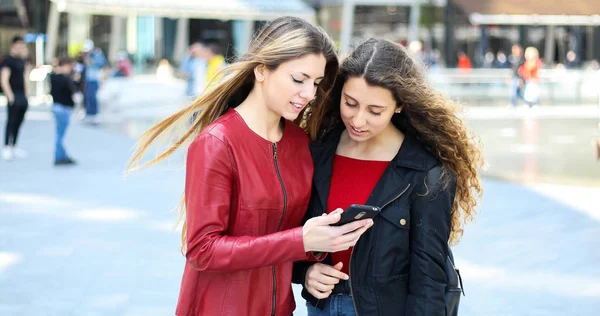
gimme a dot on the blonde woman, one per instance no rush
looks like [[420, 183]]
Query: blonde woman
[[529, 72], [249, 174]]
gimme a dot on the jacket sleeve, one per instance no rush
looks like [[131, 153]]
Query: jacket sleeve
[[429, 235], [300, 267], [208, 194]]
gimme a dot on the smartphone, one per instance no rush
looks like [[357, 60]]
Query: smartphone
[[357, 212]]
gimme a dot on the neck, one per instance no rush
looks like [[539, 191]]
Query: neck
[[258, 117]]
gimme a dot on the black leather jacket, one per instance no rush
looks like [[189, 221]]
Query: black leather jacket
[[397, 267]]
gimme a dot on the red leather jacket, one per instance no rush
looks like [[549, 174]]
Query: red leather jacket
[[245, 199]]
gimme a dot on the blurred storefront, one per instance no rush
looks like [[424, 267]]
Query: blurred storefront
[[156, 29], [471, 26]]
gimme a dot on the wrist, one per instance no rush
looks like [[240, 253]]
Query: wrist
[[305, 239]]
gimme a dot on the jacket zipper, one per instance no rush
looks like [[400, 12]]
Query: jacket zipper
[[397, 197], [280, 223], [352, 252]]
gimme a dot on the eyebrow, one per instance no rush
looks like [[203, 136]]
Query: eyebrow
[[373, 105], [307, 76]]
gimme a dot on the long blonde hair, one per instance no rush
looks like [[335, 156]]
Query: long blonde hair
[[426, 114], [280, 40]]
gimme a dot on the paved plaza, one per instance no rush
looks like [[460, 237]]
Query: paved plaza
[[85, 240]]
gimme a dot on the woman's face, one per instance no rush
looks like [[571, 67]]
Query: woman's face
[[366, 110], [291, 86]]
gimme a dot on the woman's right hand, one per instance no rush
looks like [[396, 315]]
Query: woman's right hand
[[321, 278], [319, 236]]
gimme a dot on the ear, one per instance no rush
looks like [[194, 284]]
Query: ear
[[259, 72], [399, 109]]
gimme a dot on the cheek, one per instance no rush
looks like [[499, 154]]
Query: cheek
[[345, 112], [381, 122]]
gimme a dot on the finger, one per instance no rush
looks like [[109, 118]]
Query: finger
[[328, 219], [338, 266], [351, 235], [355, 225], [326, 279], [324, 287], [335, 273], [348, 241]]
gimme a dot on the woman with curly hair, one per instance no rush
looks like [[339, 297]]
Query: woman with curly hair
[[389, 140], [249, 173]]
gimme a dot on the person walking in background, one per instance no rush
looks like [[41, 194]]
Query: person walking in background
[[249, 173], [15, 84], [389, 140], [516, 60], [95, 62], [62, 87], [529, 72], [464, 62], [193, 68], [124, 67], [216, 61], [501, 61]]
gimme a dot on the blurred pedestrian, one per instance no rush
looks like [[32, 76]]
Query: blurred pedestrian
[[501, 60], [216, 61], [95, 63], [15, 85], [572, 62], [488, 59], [516, 60], [62, 87], [124, 66], [529, 72], [164, 70], [193, 69], [389, 140], [249, 174], [464, 62]]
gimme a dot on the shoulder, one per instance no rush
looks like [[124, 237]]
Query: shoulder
[[222, 129], [8, 62], [296, 133]]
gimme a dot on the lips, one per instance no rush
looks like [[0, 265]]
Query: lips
[[356, 131], [297, 106]]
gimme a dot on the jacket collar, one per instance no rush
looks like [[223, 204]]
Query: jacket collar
[[412, 155]]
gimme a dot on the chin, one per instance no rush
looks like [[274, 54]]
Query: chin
[[290, 116]]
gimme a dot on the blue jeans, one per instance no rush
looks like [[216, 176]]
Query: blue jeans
[[335, 305], [91, 100], [62, 114], [515, 91]]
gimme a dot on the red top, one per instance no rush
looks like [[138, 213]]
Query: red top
[[352, 182]]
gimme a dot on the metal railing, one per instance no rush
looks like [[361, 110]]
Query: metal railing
[[493, 86]]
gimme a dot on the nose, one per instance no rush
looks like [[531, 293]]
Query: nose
[[360, 119], [308, 92]]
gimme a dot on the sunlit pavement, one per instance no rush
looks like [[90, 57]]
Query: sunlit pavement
[[83, 240]]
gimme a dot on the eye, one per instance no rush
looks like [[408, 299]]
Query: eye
[[317, 84], [296, 80], [375, 113], [349, 104]]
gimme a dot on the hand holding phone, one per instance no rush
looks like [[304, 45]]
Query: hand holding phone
[[357, 212]]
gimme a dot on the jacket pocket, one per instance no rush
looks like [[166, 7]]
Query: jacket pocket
[[397, 215], [390, 254]]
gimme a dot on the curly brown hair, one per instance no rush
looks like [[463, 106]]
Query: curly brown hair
[[427, 115]]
